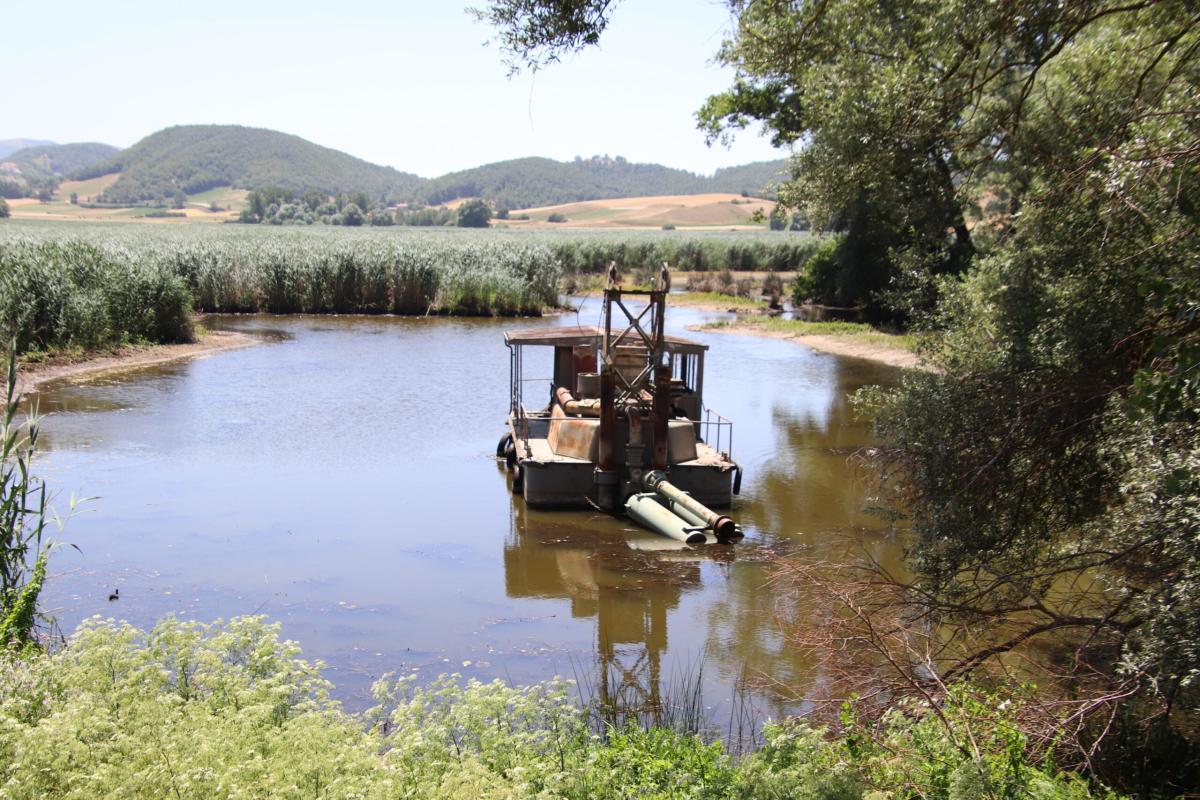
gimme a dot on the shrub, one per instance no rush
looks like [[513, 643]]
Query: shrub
[[818, 279], [228, 710]]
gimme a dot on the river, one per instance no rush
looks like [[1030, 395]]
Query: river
[[340, 479]]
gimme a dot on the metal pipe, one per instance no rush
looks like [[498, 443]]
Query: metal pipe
[[646, 509], [584, 408], [725, 528]]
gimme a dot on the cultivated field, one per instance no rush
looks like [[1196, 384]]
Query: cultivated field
[[683, 211]]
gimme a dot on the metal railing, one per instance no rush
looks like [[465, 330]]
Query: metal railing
[[722, 427]]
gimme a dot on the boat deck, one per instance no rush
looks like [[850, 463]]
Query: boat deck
[[540, 451]]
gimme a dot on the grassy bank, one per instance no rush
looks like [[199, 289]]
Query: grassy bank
[[717, 300], [228, 710]]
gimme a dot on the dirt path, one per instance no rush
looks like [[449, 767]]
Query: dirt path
[[31, 377], [838, 345]]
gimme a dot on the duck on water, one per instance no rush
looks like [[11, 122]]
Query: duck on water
[[625, 427]]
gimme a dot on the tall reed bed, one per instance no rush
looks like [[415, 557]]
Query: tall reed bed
[[87, 285], [591, 252], [56, 295], [366, 275], [309, 271]]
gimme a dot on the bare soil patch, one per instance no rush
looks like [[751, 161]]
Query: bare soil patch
[[846, 345]]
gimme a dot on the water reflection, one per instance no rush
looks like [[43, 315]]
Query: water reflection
[[627, 581], [340, 479]]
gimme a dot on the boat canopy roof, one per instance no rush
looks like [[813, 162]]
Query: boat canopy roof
[[570, 336]]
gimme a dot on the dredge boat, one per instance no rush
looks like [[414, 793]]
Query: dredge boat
[[625, 427]]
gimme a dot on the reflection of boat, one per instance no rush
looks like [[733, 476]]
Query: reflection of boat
[[626, 425], [629, 592]]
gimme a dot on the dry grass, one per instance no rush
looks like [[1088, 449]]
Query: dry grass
[[683, 211], [89, 188]]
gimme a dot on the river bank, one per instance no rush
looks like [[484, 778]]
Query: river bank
[[874, 346], [30, 377]]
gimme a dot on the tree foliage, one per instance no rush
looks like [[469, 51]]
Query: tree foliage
[[474, 214], [1050, 468]]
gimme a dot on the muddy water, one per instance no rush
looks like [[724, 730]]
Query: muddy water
[[340, 479]]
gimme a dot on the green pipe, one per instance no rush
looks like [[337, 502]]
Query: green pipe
[[646, 509]]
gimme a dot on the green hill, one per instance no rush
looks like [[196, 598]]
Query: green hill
[[31, 169], [530, 182], [195, 158]]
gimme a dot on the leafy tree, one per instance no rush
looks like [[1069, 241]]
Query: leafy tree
[[556, 217], [474, 214], [4, 212], [380, 217], [352, 215], [778, 221], [1050, 468], [74, 199]]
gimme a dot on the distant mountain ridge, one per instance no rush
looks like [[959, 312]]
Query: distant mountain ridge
[[189, 159], [8, 146]]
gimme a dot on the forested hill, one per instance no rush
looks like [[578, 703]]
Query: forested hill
[[530, 182], [757, 178], [39, 167], [194, 158], [188, 159], [45, 161]]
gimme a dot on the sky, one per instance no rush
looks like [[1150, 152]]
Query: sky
[[414, 85]]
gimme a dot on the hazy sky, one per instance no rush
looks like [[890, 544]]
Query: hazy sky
[[405, 83]]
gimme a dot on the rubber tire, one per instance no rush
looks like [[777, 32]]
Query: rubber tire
[[518, 480]]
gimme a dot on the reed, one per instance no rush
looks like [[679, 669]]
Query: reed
[[59, 295], [23, 519], [87, 285]]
